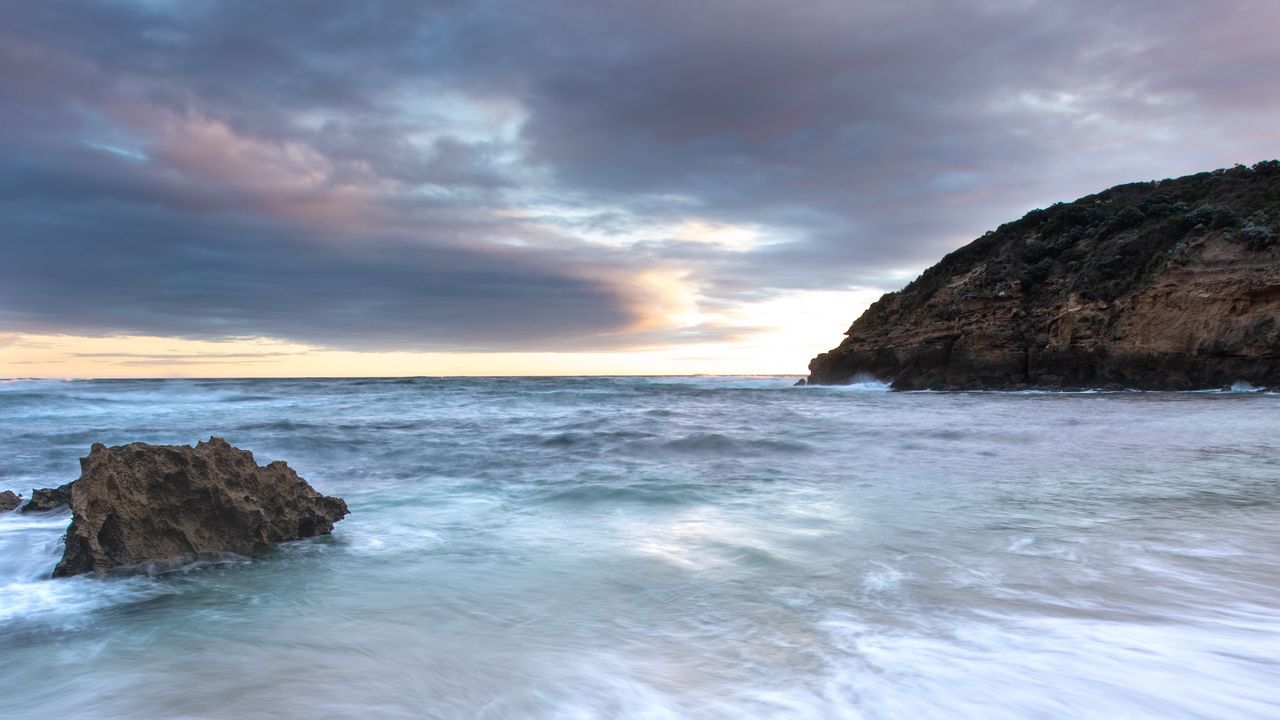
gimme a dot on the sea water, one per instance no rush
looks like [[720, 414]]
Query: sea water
[[671, 548]]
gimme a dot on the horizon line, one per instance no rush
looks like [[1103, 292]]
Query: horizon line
[[403, 377]]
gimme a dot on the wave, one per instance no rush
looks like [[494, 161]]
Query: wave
[[245, 397], [37, 606], [592, 439], [282, 425], [596, 493], [684, 548], [860, 385], [719, 444]]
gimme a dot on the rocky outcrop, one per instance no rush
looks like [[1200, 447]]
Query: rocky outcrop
[[150, 507], [1162, 285], [9, 500], [45, 499]]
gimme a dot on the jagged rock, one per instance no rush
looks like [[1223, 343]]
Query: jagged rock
[[1167, 285], [142, 505], [44, 499], [800, 383], [9, 500]]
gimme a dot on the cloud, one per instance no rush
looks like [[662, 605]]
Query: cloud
[[501, 175], [158, 271]]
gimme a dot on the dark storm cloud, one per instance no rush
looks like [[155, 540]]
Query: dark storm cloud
[[903, 128], [103, 265], [435, 175]]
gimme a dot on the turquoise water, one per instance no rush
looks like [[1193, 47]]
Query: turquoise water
[[672, 548]]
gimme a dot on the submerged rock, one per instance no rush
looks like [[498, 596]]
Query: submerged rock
[[9, 500], [43, 499], [141, 504], [1169, 285]]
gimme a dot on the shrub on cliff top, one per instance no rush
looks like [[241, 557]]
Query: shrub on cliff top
[[1212, 217], [1257, 237]]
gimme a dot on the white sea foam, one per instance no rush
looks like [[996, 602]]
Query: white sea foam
[[864, 386], [673, 548]]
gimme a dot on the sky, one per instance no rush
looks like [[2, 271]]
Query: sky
[[315, 188]]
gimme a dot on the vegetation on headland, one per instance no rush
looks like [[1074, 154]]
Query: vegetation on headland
[[1105, 249]]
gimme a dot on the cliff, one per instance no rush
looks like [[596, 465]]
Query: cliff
[[1173, 284]]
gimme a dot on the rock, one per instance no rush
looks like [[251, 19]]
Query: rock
[[44, 499], [9, 500], [800, 383], [1167, 285], [161, 506]]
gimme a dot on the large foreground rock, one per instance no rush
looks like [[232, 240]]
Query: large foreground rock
[[1169, 285], [139, 504]]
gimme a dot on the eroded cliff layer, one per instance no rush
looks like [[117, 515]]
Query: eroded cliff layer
[[1172, 284]]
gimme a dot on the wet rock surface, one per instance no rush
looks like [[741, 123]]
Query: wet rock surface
[[46, 499], [147, 507], [1169, 285], [9, 500]]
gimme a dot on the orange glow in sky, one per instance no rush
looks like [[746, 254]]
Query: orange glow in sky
[[787, 332]]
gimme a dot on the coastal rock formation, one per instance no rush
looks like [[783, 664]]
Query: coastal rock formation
[[9, 500], [44, 499], [140, 504], [1159, 285]]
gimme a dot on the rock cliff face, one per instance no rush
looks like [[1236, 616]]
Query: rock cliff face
[[138, 504], [1161, 285]]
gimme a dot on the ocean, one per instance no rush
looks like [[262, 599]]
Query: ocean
[[671, 548]]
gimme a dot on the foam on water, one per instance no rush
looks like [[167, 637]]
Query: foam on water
[[860, 384], [672, 548]]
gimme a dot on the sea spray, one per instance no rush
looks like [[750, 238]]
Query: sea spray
[[672, 547]]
